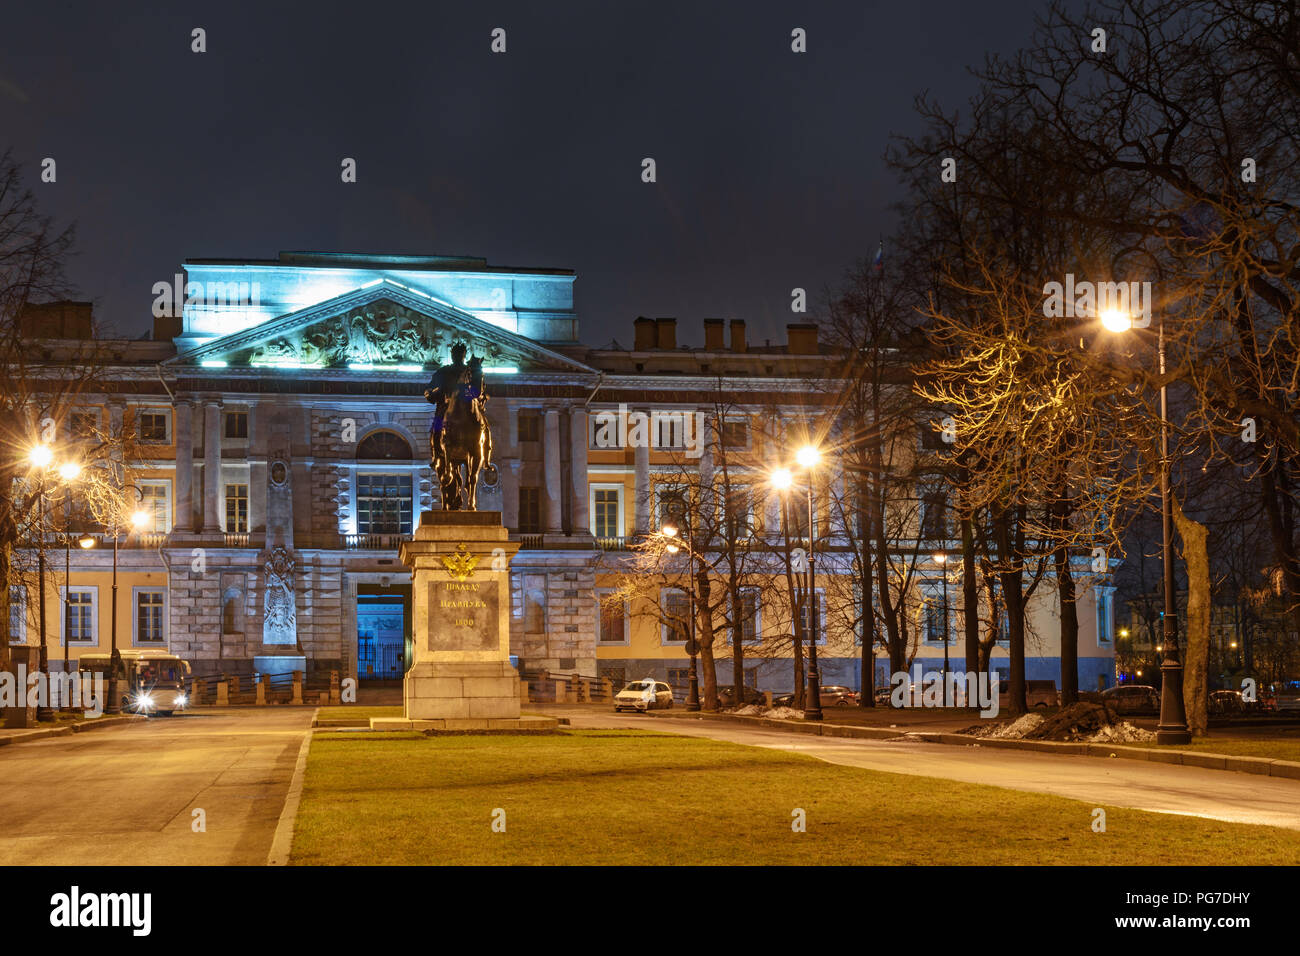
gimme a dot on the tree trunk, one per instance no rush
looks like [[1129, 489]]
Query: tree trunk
[[1196, 645], [704, 628], [1069, 613], [1013, 597], [970, 596]]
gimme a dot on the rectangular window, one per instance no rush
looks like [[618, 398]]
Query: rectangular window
[[934, 517], [794, 516], [236, 509], [671, 504], [677, 613], [530, 511], [236, 424], [738, 513], [606, 510], [530, 425], [604, 429], [1105, 615], [934, 619], [157, 504], [83, 425], [17, 614], [384, 504], [747, 619], [735, 433], [79, 621], [153, 426], [670, 429], [149, 605], [613, 622]]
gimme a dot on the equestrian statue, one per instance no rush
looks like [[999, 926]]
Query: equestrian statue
[[459, 435]]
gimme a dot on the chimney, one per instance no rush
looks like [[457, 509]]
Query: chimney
[[801, 338], [738, 335], [713, 335], [667, 333], [645, 334]]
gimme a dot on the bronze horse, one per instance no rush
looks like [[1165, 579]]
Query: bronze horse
[[461, 440]]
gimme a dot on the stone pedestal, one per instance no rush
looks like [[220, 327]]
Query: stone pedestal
[[460, 677]]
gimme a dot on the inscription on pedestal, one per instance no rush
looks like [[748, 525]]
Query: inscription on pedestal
[[463, 616]]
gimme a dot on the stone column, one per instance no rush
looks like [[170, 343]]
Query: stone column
[[551, 465], [578, 470], [184, 465], [212, 466], [641, 488], [510, 493]]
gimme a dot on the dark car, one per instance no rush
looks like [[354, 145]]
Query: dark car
[[1226, 703], [1132, 699], [749, 695], [783, 700]]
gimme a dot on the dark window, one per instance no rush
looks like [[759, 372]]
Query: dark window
[[934, 517], [530, 511], [605, 519], [153, 427], [747, 615], [677, 613], [738, 513], [735, 434], [81, 622], [236, 424], [384, 504], [149, 617], [613, 616], [384, 446], [83, 424], [530, 425], [672, 506]]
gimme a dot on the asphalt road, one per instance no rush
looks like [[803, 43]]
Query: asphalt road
[[1162, 788], [126, 795]]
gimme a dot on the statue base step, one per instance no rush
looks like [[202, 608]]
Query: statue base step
[[461, 690], [452, 725]]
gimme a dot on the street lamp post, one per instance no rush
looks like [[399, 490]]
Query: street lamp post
[[1172, 728], [808, 457], [670, 532], [942, 560], [115, 657]]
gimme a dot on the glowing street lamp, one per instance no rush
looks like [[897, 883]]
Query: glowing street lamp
[[69, 470], [40, 455], [808, 457], [941, 559], [1172, 728], [670, 530]]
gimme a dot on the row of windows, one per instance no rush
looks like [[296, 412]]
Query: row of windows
[[153, 425], [675, 627], [79, 623]]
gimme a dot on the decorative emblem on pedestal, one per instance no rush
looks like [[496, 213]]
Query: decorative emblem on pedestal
[[280, 620], [461, 564]]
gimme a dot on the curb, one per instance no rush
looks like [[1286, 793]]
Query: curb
[[1263, 766], [282, 843], [43, 733]]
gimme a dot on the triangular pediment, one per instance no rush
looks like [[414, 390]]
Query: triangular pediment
[[379, 326]]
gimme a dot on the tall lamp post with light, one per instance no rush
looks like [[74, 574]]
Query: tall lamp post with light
[[670, 531], [807, 457], [941, 559], [138, 519], [1172, 728], [42, 459]]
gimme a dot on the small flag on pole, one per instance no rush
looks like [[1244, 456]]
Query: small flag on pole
[[878, 265]]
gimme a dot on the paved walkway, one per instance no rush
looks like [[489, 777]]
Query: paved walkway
[[125, 795], [1163, 788]]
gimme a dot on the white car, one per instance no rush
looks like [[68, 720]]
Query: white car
[[643, 695]]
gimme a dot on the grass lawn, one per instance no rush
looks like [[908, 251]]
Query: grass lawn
[[639, 797]]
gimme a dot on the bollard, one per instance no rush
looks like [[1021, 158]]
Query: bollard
[[523, 692], [196, 692], [607, 688], [223, 693], [559, 692], [261, 692], [297, 687], [335, 694]]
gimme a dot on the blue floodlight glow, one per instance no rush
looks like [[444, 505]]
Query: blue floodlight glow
[[214, 363], [280, 363], [501, 370]]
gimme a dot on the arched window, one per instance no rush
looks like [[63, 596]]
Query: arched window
[[384, 445]]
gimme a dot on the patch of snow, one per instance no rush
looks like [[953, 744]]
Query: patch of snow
[[1121, 733], [784, 713]]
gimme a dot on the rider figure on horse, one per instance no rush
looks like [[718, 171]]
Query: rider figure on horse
[[457, 382]]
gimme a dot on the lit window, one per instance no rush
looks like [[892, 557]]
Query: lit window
[[384, 504], [606, 509], [236, 509], [155, 504]]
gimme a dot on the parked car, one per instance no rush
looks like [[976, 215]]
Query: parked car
[[1226, 702], [643, 695], [1286, 695], [783, 700], [748, 695], [1133, 699], [1038, 693], [837, 695]]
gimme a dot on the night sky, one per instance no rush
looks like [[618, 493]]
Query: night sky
[[770, 163]]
